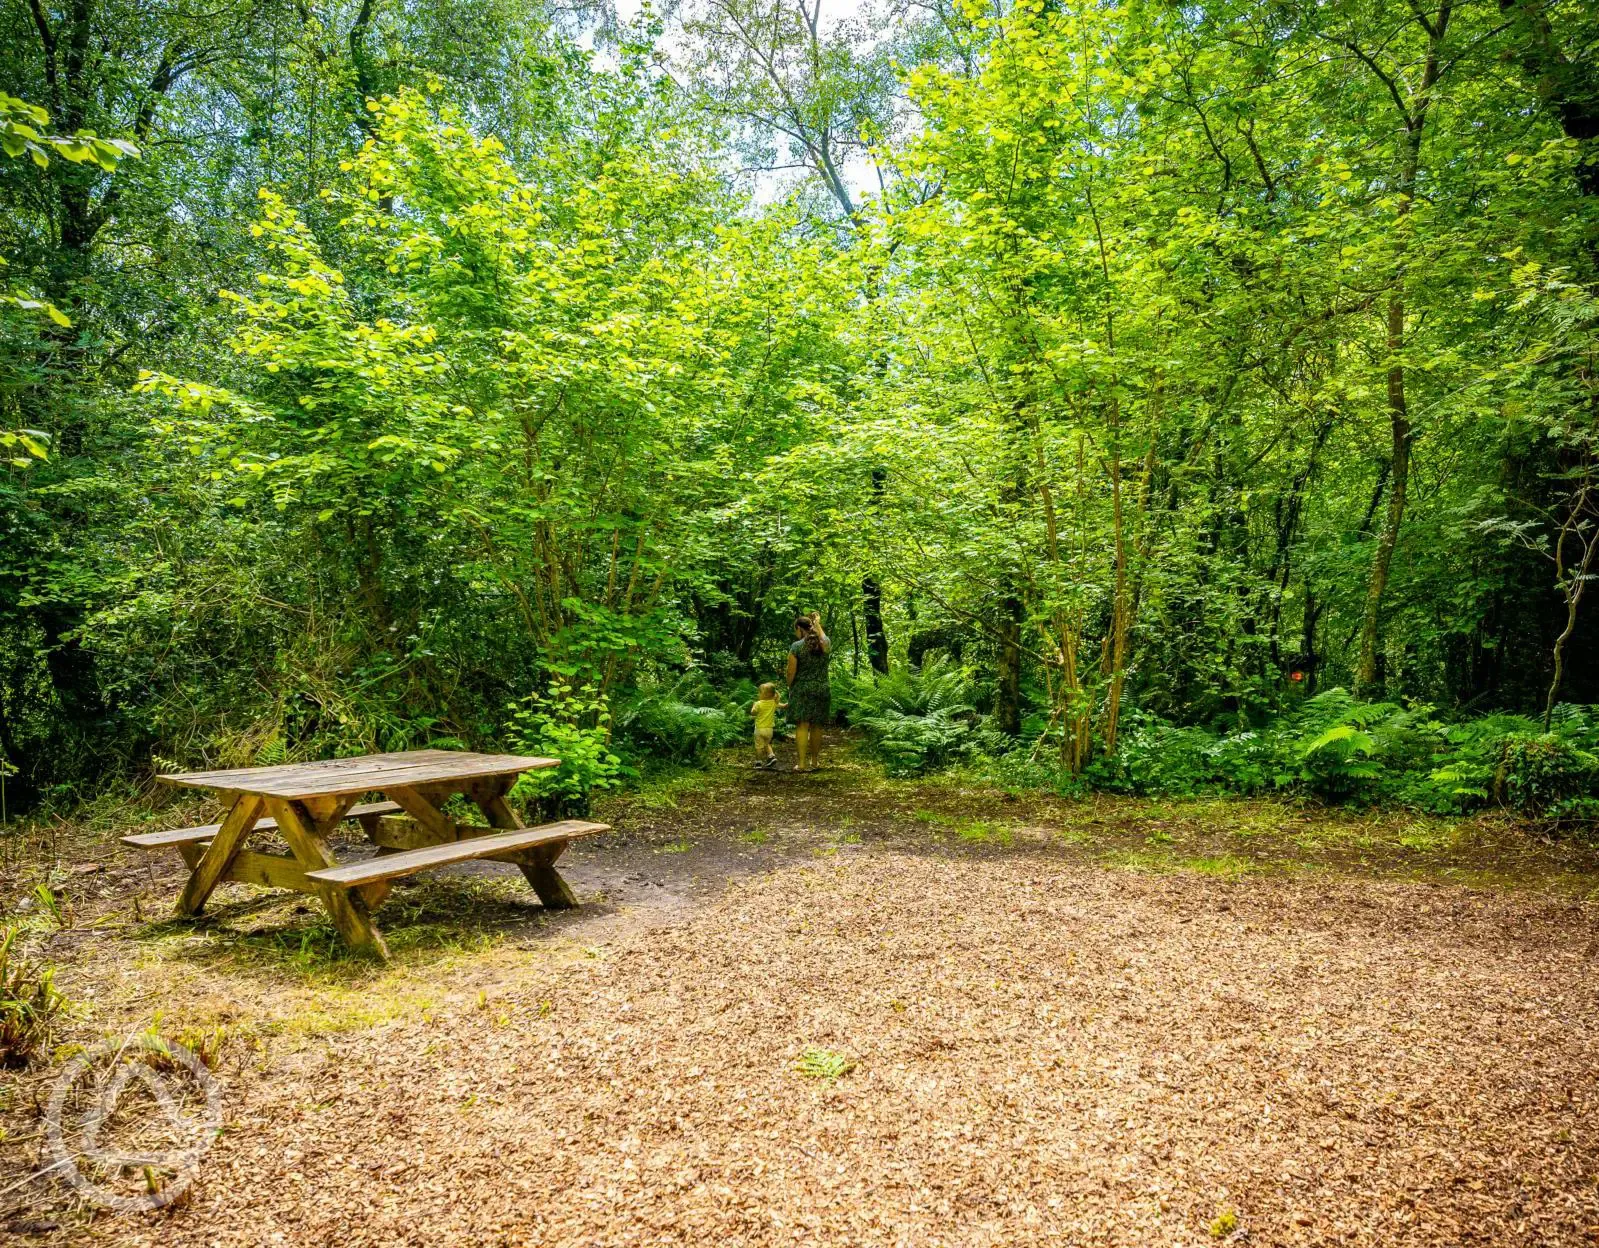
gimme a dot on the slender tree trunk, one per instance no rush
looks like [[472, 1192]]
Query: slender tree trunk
[[1120, 622], [1400, 432], [872, 594], [1008, 702], [1398, 481], [1583, 530], [1309, 657]]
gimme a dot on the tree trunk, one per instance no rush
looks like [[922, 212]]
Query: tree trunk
[[1307, 644], [1400, 431], [1398, 480], [872, 612], [1115, 664], [872, 594], [1581, 529], [1008, 702]]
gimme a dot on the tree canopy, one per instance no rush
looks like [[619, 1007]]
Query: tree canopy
[[378, 375]]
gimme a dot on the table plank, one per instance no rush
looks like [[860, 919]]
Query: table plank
[[342, 777]]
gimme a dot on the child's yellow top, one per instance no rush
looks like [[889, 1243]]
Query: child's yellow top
[[765, 712]]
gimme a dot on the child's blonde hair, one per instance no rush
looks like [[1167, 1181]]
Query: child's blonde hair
[[768, 691]]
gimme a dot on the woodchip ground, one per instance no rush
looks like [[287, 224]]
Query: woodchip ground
[[828, 1010]]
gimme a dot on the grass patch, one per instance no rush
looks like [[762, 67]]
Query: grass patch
[[1226, 865], [665, 787], [973, 831], [30, 1003], [1429, 836], [1152, 862], [1071, 836], [983, 832]]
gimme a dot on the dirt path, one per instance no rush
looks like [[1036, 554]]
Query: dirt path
[[1043, 1048]]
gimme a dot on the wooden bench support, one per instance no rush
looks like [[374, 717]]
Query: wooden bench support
[[269, 871], [538, 865], [214, 860], [406, 833]]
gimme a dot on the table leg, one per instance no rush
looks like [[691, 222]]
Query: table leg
[[537, 865], [241, 818], [306, 832]]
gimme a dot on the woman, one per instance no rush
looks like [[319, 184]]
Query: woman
[[809, 694]]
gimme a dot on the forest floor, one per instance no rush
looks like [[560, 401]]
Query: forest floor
[[837, 1009]]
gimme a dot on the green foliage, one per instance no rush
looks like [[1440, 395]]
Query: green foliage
[[1340, 749], [52, 905], [917, 719], [1545, 774], [20, 135], [30, 1003], [819, 1063], [684, 720], [573, 724], [1338, 743]]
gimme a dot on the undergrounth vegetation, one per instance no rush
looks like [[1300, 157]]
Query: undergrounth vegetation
[[1009, 1016]]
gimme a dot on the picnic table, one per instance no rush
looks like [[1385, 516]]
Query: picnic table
[[305, 802]]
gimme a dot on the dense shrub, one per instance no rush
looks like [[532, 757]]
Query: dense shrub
[[572, 724], [917, 719], [1544, 773], [1340, 749], [685, 720]]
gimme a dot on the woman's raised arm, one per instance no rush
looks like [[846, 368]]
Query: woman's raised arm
[[821, 633]]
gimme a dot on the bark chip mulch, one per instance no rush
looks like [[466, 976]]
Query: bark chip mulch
[[1039, 1052]]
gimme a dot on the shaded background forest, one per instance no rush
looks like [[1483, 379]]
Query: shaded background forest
[[1152, 396]]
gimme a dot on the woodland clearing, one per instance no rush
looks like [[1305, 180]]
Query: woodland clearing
[[838, 1009]]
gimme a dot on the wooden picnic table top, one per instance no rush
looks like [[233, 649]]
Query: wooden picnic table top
[[341, 777]]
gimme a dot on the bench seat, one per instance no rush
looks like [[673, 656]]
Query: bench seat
[[496, 843], [180, 837]]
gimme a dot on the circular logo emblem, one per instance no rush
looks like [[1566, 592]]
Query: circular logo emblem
[[127, 1124]]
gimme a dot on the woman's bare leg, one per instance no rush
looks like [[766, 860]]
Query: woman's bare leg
[[802, 736]]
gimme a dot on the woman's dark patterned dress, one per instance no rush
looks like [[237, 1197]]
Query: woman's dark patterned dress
[[810, 697]]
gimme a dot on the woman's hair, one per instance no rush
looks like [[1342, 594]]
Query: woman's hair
[[813, 643], [768, 691]]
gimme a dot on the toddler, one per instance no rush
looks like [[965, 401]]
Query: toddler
[[765, 712]]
